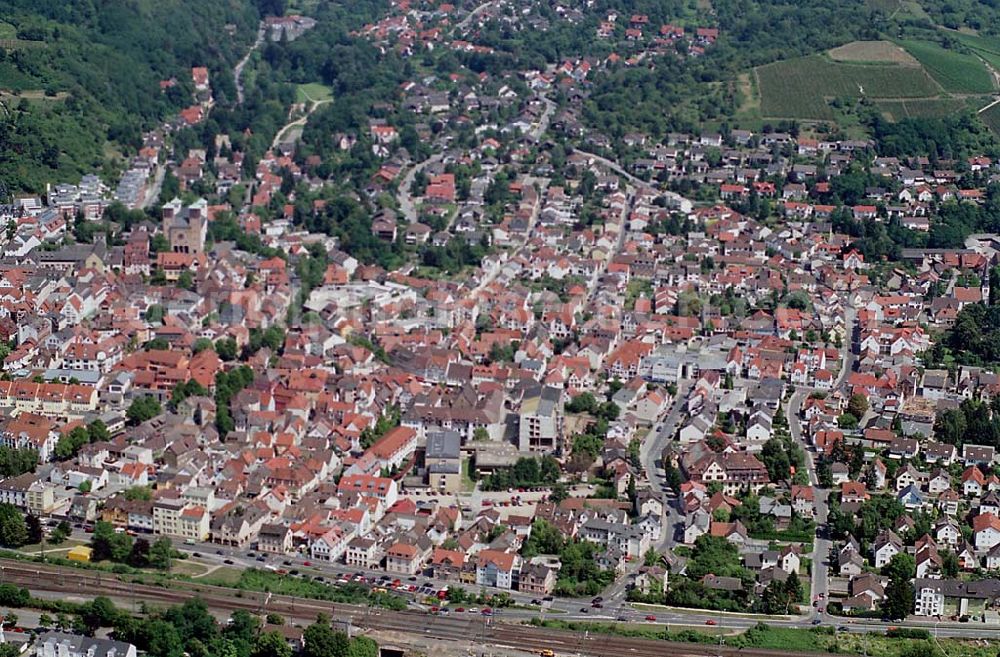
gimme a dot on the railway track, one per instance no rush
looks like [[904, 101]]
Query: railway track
[[486, 631]]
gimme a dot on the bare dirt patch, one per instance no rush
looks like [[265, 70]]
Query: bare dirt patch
[[882, 52]]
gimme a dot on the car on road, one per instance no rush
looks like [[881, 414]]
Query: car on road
[[597, 605], [584, 610], [487, 612], [306, 563], [710, 622], [816, 621], [219, 552], [598, 599], [460, 610], [536, 601], [261, 558], [651, 618], [843, 628], [228, 562]]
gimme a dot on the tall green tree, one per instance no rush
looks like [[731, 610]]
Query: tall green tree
[[899, 601], [322, 641], [13, 528]]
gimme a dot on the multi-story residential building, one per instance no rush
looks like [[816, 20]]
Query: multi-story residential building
[[498, 569], [274, 538], [540, 427], [61, 644], [361, 553]]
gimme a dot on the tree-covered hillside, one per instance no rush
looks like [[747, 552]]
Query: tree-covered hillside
[[75, 73]]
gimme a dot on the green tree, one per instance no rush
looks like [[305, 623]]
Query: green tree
[[793, 587], [201, 344], [154, 314], [271, 644], [898, 602], [714, 555], [139, 556], [99, 612], [13, 528], [142, 409], [185, 280], [322, 641], [161, 553], [585, 402], [362, 646], [950, 426], [158, 243], [559, 493], [857, 405], [226, 349], [69, 444], [949, 564], [651, 558], [774, 456], [108, 544], [98, 431], [138, 493], [34, 525], [775, 599], [847, 421]]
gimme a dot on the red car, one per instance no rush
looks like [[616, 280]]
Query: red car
[[651, 618], [710, 622], [460, 610]]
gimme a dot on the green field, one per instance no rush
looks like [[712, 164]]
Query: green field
[[800, 88], [11, 79], [922, 108], [955, 71], [313, 93], [986, 47], [797, 641], [991, 118]]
